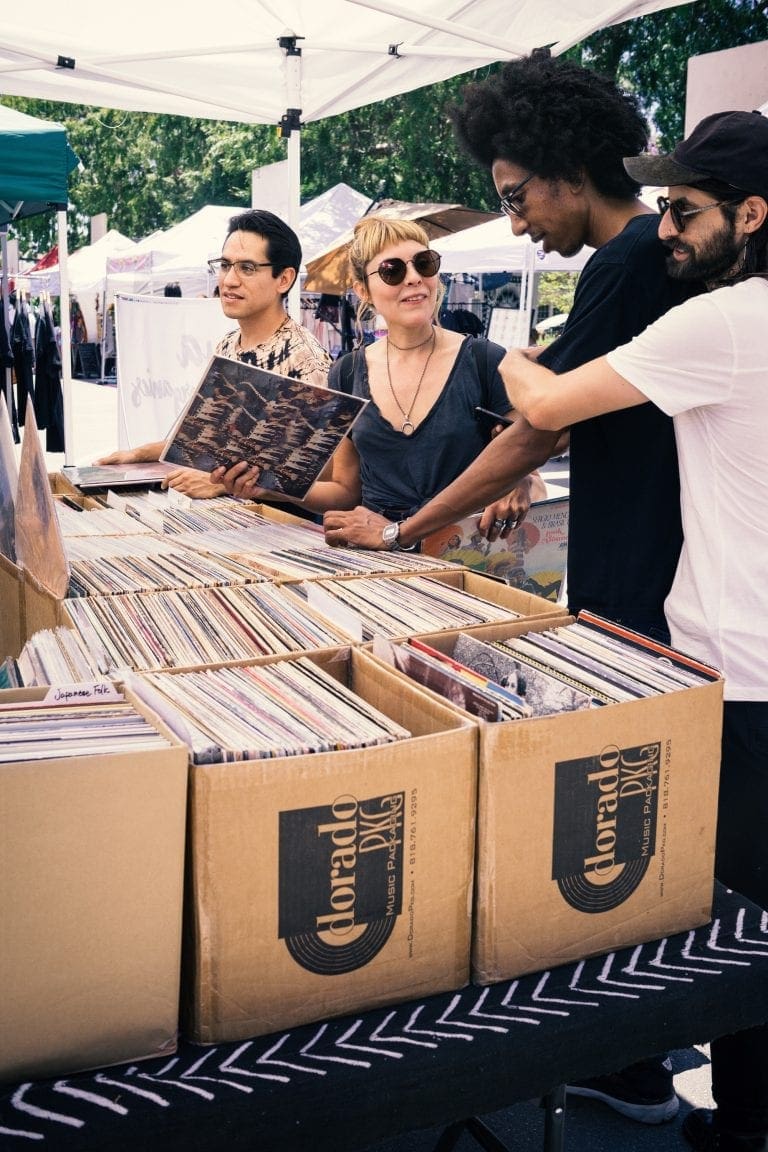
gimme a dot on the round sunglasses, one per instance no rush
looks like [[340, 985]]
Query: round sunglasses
[[393, 271]]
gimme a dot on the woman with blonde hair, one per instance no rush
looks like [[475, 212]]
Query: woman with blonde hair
[[420, 429]]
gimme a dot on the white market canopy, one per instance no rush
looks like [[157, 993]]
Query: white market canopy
[[260, 62], [492, 247], [180, 253], [87, 267]]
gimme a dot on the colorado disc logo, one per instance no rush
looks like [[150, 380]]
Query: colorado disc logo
[[605, 825], [341, 881]]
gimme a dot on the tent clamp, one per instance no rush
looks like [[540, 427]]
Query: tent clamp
[[289, 45], [290, 121], [393, 50], [65, 62]]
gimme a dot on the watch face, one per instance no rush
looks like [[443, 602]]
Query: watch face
[[390, 534]]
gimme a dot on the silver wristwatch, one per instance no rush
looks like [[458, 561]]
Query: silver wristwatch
[[390, 536]]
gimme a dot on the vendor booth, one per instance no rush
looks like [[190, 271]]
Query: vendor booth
[[35, 161]]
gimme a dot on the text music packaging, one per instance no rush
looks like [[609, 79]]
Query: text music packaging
[[328, 883], [12, 625], [556, 879], [91, 886]]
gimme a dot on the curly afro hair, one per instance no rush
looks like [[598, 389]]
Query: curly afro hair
[[556, 119]]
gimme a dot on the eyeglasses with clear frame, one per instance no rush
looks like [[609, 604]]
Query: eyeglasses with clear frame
[[244, 268], [509, 201], [678, 215]]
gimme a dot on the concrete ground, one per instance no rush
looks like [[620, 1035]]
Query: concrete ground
[[589, 1126], [94, 425]]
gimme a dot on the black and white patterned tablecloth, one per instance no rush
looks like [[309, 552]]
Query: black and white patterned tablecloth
[[347, 1083]]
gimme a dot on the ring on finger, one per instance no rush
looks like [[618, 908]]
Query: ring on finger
[[499, 524]]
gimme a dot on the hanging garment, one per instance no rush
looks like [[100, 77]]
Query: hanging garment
[[48, 402], [23, 358], [6, 362]]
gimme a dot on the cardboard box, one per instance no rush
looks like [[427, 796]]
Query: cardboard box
[[91, 883], [497, 591], [12, 627], [329, 883], [513, 603], [61, 485], [556, 880]]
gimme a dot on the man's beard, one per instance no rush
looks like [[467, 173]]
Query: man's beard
[[714, 259]]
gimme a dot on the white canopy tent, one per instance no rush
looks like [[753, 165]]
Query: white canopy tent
[[87, 269], [181, 253], [286, 64], [258, 62], [491, 248]]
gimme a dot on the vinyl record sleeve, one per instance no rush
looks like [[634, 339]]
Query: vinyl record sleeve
[[287, 428]]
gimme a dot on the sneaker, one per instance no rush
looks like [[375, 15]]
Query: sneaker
[[702, 1135], [642, 1092]]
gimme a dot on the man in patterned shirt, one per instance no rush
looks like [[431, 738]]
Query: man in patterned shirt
[[258, 267]]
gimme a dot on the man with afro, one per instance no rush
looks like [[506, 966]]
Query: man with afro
[[553, 136]]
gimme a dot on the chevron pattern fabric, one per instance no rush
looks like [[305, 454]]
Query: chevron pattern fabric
[[344, 1084]]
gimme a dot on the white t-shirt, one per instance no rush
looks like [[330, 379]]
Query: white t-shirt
[[705, 364]]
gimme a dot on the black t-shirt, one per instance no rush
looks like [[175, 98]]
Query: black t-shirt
[[625, 531], [399, 473]]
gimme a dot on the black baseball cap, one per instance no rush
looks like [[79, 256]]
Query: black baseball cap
[[728, 146]]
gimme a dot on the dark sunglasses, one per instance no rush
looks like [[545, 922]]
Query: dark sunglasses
[[510, 201], [678, 214], [392, 272]]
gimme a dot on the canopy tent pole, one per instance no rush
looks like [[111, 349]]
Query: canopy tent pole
[[290, 129], [66, 335], [4, 294]]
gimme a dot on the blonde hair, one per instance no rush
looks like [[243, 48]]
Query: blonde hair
[[372, 235]]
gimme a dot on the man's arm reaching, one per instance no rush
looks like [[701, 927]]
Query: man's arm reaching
[[499, 468]]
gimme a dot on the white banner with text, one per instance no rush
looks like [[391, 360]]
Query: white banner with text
[[163, 345]]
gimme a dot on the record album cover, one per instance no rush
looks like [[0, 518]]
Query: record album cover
[[532, 557], [287, 428]]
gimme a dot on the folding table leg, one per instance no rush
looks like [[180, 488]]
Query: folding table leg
[[554, 1119], [479, 1131], [554, 1128], [450, 1137]]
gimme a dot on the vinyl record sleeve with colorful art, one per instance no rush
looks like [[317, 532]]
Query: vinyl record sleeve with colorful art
[[532, 557], [286, 428]]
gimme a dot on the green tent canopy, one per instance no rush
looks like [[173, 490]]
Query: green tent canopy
[[35, 161]]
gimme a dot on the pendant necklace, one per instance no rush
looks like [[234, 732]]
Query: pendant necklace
[[408, 427]]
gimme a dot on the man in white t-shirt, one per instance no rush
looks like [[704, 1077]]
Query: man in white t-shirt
[[705, 363]]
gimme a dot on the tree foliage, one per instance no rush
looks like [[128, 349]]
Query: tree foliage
[[649, 55], [556, 289], [148, 171]]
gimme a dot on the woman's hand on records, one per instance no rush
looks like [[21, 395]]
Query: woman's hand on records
[[357, 528], [193, 483]]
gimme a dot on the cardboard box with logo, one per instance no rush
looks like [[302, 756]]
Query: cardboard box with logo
[[91, 884], [596, 828], [326, 883]]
